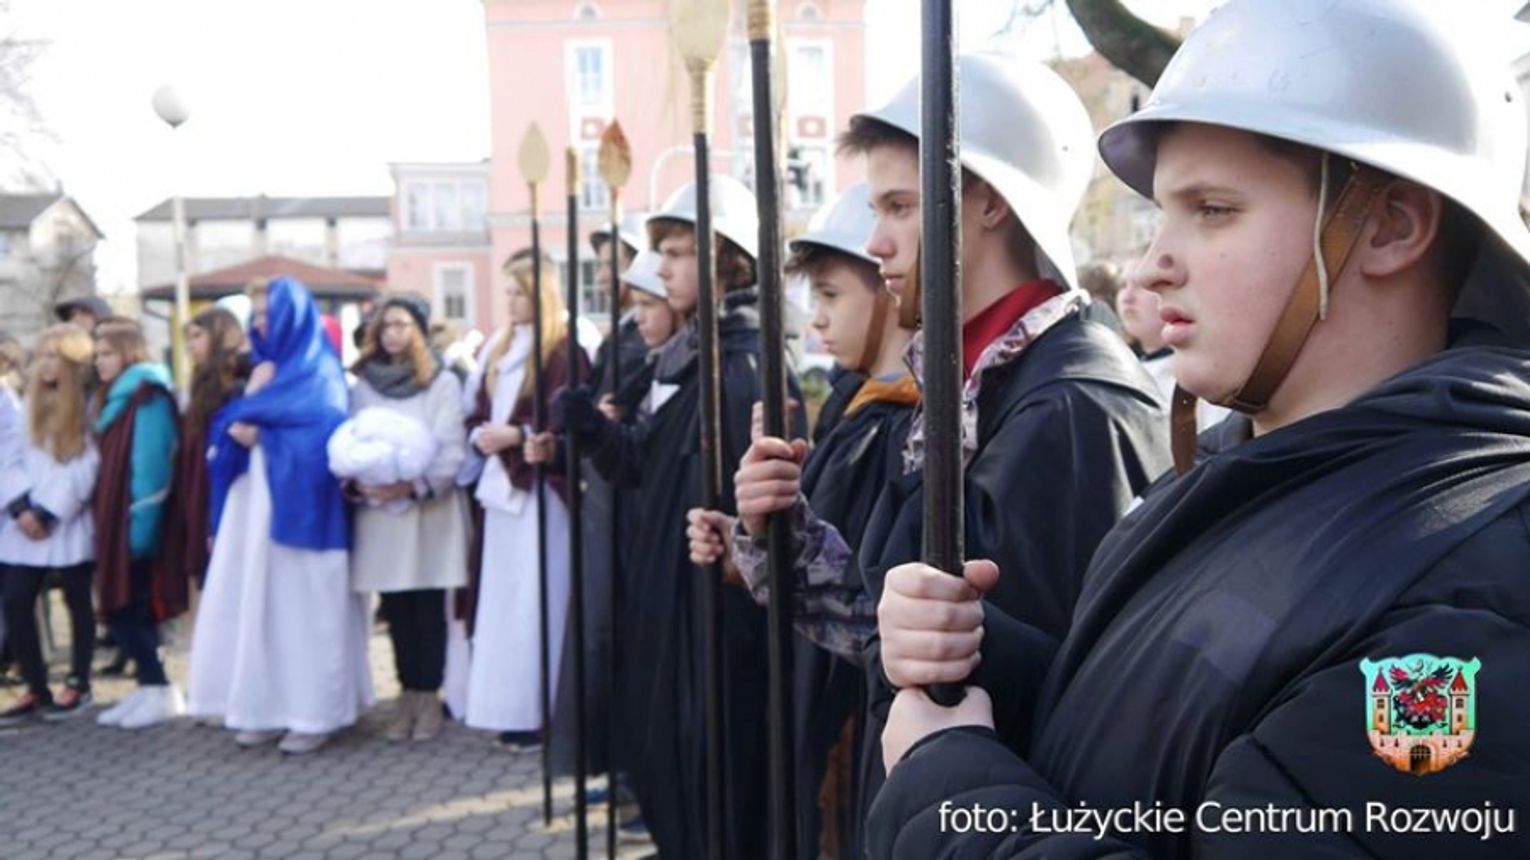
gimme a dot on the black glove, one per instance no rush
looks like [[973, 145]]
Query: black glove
[[574, 412]]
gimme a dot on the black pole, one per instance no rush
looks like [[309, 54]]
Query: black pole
[[539, 418], [941, 275], [767, 189], [711, 483], [575, 500], [613, 651]]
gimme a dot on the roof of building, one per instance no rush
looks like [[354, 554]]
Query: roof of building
[[18, 211], [261, 206], [1380, 685], [322, 281], [1459, 684]]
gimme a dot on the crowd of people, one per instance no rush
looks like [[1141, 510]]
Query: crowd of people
[[1198, 502]]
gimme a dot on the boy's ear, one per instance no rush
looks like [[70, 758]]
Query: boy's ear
[[1404, 227], [996, 209]]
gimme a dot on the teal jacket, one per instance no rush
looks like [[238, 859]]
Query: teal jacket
[[154, 440]]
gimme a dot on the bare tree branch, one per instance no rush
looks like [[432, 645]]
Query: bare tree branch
[[1131, 44], [21, 121]]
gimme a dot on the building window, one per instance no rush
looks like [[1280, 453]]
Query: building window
[[587, 12], [454, 291], [593, 193], [809, 12], [446, 206], [812, 79], [590, 69]]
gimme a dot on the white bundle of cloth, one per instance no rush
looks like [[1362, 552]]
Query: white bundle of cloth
[[378, 446]]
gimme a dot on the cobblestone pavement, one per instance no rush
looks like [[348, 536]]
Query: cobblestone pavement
[[180, 790]]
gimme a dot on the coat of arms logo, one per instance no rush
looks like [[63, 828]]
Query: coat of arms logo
[[1421, 710]]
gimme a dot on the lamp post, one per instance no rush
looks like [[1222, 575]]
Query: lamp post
[[169, 107]]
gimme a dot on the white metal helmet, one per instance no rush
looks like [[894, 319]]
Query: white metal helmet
[[1025, 132], [643, 274], [735, 215], [842, 224], [1410, 87], [631, 230]]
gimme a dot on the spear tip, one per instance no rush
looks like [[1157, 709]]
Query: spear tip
[[533, 157]]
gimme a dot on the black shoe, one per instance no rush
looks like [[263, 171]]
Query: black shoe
[[73, 702], [520, 742], [27, 708], [117, 668]]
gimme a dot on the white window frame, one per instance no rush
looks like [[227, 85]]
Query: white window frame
[[469, 290], [825, 88], [594, 196], [572, 82]]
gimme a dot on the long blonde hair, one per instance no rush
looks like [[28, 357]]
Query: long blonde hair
[[56, 413], [554, 321]]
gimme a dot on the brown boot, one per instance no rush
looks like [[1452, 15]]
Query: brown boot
[[428, 718], [404, 716]]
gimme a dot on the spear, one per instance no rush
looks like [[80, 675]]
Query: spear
[[699, 28], [767, 187], [941, 276], [575, 558], [533, 160], [615, 168]]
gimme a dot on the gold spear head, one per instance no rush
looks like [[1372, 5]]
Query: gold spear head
[[699, 28], [615, 156], [533, 158]]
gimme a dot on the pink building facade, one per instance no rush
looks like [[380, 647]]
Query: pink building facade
[[571, 66]]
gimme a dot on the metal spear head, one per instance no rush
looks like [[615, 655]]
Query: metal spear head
[[615, 156], [533, 157]]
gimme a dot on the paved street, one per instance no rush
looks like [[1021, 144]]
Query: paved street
[[180, 790]]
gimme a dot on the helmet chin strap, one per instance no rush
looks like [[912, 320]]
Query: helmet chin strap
[[881, 305], [910, 299], [1333, 241]]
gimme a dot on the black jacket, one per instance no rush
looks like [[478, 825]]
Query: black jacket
[[1215, 657]]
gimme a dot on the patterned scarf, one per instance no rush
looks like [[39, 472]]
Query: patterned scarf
[[1003, 351]]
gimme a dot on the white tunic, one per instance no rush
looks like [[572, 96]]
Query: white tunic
[[280, 639], [502, 690]]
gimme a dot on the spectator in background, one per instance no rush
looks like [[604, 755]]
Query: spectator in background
[[83, 313], [49, 474]]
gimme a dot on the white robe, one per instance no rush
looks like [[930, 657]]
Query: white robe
[[281, 639], [502, 663]]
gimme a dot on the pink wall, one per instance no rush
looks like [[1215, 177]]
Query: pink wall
[[527, 42]]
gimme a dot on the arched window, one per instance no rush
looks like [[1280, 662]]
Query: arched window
[[586, 12], [810, 13]]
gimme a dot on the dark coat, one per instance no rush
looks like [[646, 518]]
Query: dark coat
[[1215, 655]]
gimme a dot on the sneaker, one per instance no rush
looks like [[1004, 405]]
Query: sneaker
[[429, 717], [302, 743], [249, 739], [70, 704], [161, 702], [520, 742], [633, 832], [27, 707], [405, 713], [114, 715]]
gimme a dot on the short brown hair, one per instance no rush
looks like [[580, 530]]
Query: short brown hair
[[811, 260], [735, 267]]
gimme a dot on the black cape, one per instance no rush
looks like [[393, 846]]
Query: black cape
[[1215, 653], [842, 478], [1068, 435], [663, 691]]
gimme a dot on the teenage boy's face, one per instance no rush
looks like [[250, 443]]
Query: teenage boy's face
[[1235, 236], [892, 178], [842, 307], [655, 318], [677, 269]]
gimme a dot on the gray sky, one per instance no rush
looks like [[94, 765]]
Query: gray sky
[[269, 82]]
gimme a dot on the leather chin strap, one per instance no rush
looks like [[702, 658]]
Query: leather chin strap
[[1340, 233], [874, 329], [911, 299]]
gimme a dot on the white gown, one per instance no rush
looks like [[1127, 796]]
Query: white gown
[[502, 664], [280, 639]]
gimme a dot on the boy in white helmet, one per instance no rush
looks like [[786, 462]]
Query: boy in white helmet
[[1357, 539], [1063, 427], [661, 625], [858, 439]]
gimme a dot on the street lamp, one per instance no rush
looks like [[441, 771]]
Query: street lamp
[[169, 107]]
